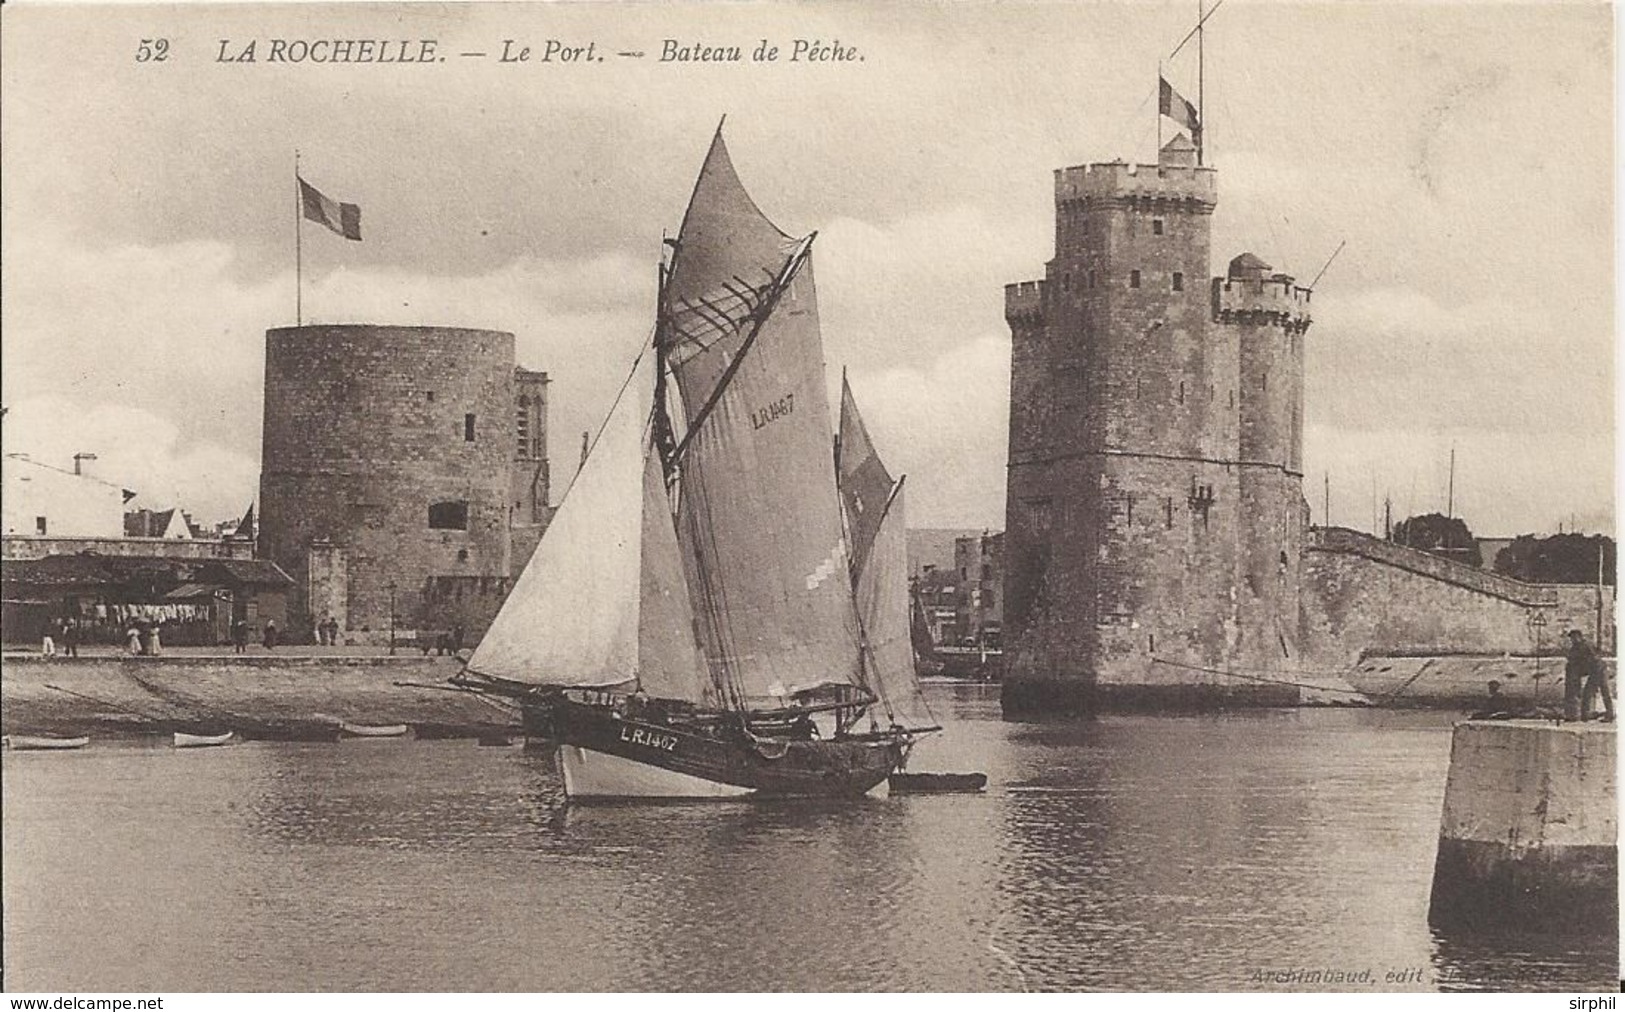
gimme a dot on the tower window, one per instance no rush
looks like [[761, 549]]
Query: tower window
[[1066, 282], [462, 555], [39, 525], [1168, 510], [1179, 282], [1091, 279], [1134, 279], [1156, 226], [448, 516], [468, 428], [428, 395], [1182, 391]]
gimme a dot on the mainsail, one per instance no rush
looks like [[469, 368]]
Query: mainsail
[[759, 517], [875, 524], [603, 602]]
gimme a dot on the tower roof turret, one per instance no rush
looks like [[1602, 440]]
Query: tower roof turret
[[1249, 267], [1178, 151]]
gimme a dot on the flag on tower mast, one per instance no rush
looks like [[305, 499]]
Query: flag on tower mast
[[343, 219], [1176, 107]]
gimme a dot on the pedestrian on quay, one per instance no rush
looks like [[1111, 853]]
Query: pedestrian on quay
[[143, 635], [1596, 683], [47, 647], [270, 635], [457, 639], [70, 637], [157, 647], [132, 640], [1582, 675], [332, 631], [239, 637]]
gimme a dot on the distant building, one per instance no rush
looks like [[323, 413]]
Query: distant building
[[933, 547], [170, 524], [38, 500], [979, 561], [400, 468], [194, 601]]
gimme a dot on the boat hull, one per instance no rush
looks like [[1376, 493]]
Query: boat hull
[[604, 755], [350, 730], [184, 739], [43, 742]]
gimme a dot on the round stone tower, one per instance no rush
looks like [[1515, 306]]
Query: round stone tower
[[1268, 314], [386, 461]]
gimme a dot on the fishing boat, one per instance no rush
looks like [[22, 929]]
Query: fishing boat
[[719, 608], [39, 742], [192, 739]]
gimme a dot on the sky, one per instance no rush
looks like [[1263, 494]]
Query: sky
[[1463, 152]]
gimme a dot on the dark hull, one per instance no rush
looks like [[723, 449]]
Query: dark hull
[[605, 754]]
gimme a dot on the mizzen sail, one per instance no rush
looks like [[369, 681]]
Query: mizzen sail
[[883, 604], [759, 516], [865, 482]]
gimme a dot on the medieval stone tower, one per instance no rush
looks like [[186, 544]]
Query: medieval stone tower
[[400, 466], [1155, 507]]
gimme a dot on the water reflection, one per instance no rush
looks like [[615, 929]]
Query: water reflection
[[1130, 853]]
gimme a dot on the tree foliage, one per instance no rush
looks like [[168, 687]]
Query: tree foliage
[[1441, 535], [1560, 558]]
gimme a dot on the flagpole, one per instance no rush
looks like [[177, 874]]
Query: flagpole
[[1158, 159], [1201, 109], [298, 247]]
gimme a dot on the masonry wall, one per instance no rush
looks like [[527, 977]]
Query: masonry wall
[[365, 428], [23, 547], [1364, 596]]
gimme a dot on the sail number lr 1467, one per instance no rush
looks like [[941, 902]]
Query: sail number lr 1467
[[654, 739]]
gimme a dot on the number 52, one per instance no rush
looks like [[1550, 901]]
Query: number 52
[[152, 50]]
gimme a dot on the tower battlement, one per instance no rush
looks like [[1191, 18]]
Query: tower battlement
[[1024, 303], [1276, 300], [1117, 181]]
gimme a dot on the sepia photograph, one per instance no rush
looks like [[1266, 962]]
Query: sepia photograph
[[1055, 496]]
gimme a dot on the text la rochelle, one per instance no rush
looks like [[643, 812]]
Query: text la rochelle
[[330, 51]]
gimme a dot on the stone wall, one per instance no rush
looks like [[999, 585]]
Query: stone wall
[[1363, 596], [1529, 833], [22, 547]]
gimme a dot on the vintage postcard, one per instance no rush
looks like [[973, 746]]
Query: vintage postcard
[[772, 496]]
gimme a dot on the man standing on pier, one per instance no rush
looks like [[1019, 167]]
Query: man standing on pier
[[1583, 675]]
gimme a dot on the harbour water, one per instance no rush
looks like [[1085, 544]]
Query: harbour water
[[1246, 851]]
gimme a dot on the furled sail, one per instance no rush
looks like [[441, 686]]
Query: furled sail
[[759, 517], [602, 601]]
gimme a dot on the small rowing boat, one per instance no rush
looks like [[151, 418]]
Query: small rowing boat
[[31, 742], [350, 730], [938, 783], [187, 739]]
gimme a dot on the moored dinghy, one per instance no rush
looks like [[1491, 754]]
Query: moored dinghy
[[692, 607], [45, 742], [350, 729], [196, 739]]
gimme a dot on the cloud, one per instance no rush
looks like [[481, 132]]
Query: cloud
[[137, 449], [945, 424]]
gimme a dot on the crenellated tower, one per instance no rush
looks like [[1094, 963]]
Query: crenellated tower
[[1135, 528]]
